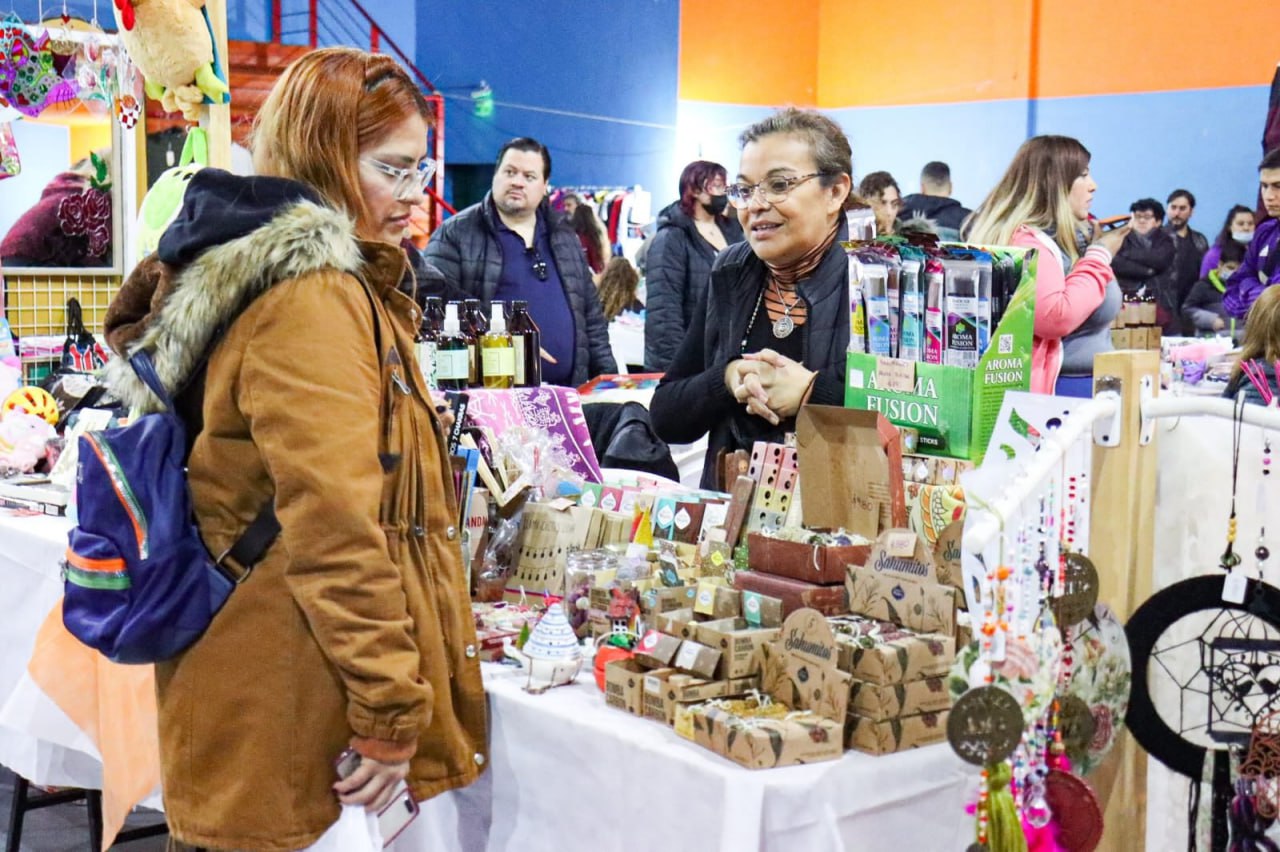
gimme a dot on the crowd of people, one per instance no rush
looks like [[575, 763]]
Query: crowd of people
[[747, 314]]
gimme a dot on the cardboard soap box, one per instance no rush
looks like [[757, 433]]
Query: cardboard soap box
[[739, 643], [900, 584], [883, 653], [896, 734], [878, 702], [800, 673], [656, 650], [667, 690], [954, 409], [850, 471], [824, 565], [624, 685]]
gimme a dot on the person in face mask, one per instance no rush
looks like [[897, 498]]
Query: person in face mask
[[690, 233], [1203, 308], [1238, 228]]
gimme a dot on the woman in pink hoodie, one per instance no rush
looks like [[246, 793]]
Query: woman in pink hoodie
[[1041, 202]]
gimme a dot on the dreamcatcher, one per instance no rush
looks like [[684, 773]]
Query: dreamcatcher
[[1206, 683]]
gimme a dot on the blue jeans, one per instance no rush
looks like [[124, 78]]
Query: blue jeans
[[1077, 386]]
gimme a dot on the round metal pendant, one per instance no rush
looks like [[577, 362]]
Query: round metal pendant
[[1075, 721], [1081, 592], [985, 725], [783, 326]]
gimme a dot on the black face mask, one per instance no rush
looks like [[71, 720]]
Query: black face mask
[[716, 205]]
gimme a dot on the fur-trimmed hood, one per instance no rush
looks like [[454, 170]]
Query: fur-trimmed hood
[[234, 239]]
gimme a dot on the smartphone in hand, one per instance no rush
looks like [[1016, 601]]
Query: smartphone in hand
[[1112, 222], [396, 815]]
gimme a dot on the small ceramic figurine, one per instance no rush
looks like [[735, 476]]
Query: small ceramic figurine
[[552, 655]]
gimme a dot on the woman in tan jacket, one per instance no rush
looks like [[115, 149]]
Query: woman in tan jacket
[[355, 628]]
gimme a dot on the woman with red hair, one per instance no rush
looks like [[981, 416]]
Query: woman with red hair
[[690, 233]]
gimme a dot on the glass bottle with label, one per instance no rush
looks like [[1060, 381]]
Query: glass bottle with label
[[497, 353], [428, 339], [475, 324], [453, 353], [526, 340]]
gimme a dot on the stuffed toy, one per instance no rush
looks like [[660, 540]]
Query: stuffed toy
[[22, 442], [163, 201], [170, 41]]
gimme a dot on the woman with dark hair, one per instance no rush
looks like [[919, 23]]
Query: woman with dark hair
[[771, 329], [1042, 202], [1238, 228], [590, 231], [678, 261]]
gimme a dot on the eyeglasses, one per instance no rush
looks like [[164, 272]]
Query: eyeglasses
[[412, 181], [539, 265], [773, 190]]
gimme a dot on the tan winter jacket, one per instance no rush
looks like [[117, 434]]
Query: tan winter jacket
[[356, 626]]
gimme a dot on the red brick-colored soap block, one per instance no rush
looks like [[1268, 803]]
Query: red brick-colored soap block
[[795, 594]]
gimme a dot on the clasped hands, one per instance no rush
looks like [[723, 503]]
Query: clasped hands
[[770, 385]]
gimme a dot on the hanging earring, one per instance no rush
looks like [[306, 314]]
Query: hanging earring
[[1262, 553], [1230, 559]]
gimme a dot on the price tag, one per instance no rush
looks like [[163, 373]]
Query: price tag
[[1234, 588], [895, 374], [900, 543]]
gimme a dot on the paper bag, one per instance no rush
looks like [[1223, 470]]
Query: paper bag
[[546, 536], [850, 470]]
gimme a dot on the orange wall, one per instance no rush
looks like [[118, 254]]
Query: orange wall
[[1091, 47], [748, 52], [927, 51], [843, 53]]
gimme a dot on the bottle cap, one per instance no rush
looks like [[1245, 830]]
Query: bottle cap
[[451, 323], [497, 319]]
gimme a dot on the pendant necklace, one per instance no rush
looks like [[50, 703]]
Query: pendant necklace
[[783, 325]]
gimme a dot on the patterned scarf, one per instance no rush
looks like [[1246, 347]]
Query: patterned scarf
[[786, 275]]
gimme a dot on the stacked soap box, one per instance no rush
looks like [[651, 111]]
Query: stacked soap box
[[898, 697], [692, 655], [1135, 327], [801, 575]]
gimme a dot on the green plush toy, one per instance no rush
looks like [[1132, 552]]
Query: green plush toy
[[163, 201]]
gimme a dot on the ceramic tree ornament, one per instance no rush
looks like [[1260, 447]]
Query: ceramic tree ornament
[[552, 655]]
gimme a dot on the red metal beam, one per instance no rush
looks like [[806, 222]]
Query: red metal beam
[[374, 32], [313, 23], [275, 20]]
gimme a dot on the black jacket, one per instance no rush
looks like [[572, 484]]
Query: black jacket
[[692, 400], [677, 269], [1188, 251], [1145, 260], [465, 249], [944, 212]]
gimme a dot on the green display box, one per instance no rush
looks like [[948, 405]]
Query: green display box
[[953, 409]]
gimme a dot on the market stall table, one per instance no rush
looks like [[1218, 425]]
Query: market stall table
[[568, 772]]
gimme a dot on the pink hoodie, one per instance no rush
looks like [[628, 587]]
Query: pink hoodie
[[1063, 302]]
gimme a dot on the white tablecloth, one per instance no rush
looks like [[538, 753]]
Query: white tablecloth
[[570, 773], [567, 773], [37, 740]]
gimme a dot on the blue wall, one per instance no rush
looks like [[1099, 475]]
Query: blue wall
[[1207, 141], [618, 60]]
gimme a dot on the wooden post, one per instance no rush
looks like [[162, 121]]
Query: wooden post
[[1121, 543], [217, 120]]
